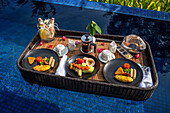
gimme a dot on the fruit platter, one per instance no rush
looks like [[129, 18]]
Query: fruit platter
[[82, 66]]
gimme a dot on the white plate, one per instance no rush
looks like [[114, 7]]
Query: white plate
[[66, 51], [105, 61]]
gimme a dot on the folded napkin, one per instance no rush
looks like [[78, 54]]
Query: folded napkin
[[61, 70], [147, 79]]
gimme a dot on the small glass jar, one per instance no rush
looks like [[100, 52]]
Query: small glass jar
[[46, 29], [47, 35]]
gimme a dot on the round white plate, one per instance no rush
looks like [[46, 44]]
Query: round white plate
[[105, 61], [66, 51]]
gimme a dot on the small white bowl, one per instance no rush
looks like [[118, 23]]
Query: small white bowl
[[61, 50], [104, 53]]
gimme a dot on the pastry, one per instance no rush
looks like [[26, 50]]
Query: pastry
[[31, 60], [41, 67], [123, 78], [119, 71]]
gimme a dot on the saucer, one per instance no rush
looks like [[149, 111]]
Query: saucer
[[66, 51], [105, 61]]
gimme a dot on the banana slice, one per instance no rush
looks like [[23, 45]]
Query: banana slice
[[131, 72], [134, 73]]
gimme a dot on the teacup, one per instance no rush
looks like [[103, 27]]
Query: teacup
[[106, 55], [60, 49]]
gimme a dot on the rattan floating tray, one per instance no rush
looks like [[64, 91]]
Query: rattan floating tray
[[96, 84]]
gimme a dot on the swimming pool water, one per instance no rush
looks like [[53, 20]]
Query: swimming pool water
[[18, 21]]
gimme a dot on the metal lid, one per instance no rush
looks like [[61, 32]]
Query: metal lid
[[86, 38]]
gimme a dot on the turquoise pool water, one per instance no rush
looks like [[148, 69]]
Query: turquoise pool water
[[18, 21]]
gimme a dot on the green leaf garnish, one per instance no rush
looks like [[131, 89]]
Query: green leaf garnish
[[93, 27]]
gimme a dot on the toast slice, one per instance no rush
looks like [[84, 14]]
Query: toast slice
[[31, 60], [119, 71]]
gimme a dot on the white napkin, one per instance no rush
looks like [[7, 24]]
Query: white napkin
[[61, 70], [147, 79]]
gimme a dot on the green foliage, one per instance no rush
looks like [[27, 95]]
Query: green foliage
[[93, 27], [159, 5]]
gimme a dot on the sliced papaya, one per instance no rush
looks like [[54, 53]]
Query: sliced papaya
[[31, 60], [119, 71]]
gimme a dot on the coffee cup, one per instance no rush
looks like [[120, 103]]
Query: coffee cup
[[60, 49], [107, 55]]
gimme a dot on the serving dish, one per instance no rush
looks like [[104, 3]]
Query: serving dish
[[111, 67], [133, 44], [96, 84], [84, 75], [39, 52]]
